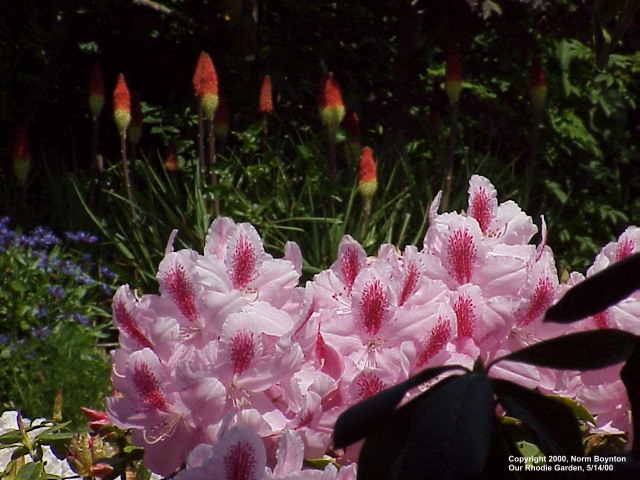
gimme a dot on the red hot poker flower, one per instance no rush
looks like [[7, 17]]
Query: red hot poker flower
[[331, 104], [96, 91], [265, 104], [367, 177], [453, 75], [537, 85], [171, 158], [205, 85], [122, 105], [21, 156]]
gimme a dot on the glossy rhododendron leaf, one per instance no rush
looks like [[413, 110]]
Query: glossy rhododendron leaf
[[384, 447], [578, 351], [451, 431], [630, 376], [362, 418], [554, 424], [596, 293]]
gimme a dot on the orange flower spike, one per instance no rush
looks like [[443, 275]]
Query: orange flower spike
[[21, 156], [453, 75], [332, 109], [205, 85], [367, 177], [265, 104], [135, 127], [537, 85], [221, 120], [96, 91], [122, 105]]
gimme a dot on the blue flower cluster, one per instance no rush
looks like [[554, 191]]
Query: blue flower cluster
[[64, 272]]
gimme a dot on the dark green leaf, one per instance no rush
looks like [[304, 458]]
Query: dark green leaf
[[10, 437], [359, 420], [578, 351], [451, 431], [502, 454], [30, 471], [554, 424], [598, 292], [385, 446], [630, 376]]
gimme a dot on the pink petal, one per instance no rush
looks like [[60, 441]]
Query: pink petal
[[434, 206], [124, 306], [239, 455], [483, 201], [244, 256], [179, 282], [218, 237], [351, 259], [294, 255], [372, 302], [290, 454], [461, 254]]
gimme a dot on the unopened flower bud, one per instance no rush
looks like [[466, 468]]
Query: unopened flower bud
[[96, 418]]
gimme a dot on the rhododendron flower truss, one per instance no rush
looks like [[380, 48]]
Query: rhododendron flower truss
[[238, 371]]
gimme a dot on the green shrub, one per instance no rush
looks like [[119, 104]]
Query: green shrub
[[52, 315]]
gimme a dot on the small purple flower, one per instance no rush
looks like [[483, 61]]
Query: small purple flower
[[81, 319], [107, 289], [83, 278], [41, 311], [81, 237], [41, 236], [56, 291], [106, 272], [40, 332]]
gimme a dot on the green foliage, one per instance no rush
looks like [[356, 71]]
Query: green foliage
[[53, 311], [30, 442]]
